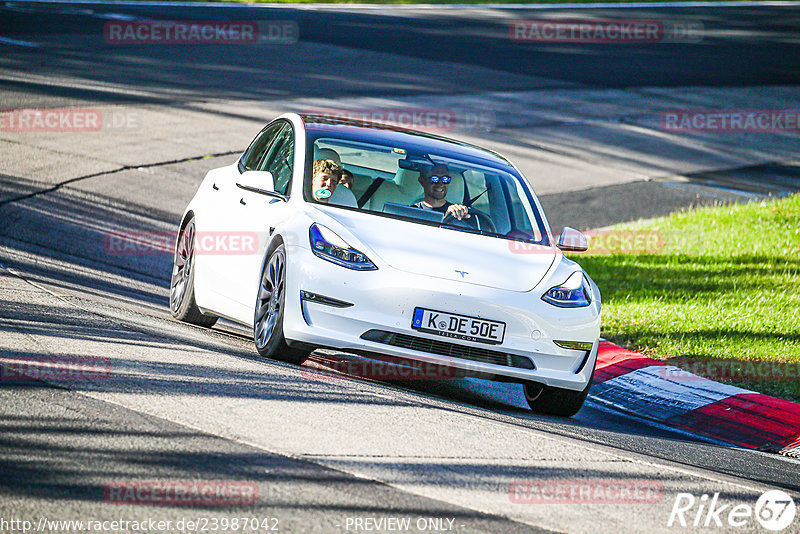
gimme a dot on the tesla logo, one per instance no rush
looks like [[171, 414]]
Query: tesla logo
[[462, 273]]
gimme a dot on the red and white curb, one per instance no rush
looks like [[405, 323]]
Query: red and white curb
[[630, 382]]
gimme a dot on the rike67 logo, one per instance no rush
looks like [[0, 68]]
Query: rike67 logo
[[775, 510]]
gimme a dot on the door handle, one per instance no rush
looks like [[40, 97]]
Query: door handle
[[242, 202], [215, 187]]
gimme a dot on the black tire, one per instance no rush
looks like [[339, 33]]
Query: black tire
[[554, 401], [181, 289], [270, 307]]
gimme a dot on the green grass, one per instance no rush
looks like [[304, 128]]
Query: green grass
[[725, 285]]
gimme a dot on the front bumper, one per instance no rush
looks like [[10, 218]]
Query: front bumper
[[384, 301]]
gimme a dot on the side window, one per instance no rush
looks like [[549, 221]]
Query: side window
[[279, 159], [255, 152]]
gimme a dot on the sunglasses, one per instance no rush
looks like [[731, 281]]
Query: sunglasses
[[444, 179]]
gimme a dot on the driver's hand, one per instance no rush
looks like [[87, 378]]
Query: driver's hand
[[459, 211]]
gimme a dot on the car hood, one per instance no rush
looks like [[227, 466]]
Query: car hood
[[448, 254]]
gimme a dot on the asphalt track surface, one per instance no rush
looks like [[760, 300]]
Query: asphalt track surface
[[194, 404]]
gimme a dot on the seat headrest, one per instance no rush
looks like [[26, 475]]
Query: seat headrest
[[455, 191], [342, 196], [327, 153], [406, 179]]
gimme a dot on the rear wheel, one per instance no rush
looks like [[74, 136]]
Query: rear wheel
[[270, 306], [554, 401], [181, 290]]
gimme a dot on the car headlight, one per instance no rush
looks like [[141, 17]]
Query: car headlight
[[327, 245], [574, 293]]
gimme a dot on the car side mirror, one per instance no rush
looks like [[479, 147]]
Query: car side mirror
[[260, 182], [572, 240], [256, 181]]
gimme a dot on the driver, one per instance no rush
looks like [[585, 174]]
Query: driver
[[434, 181]]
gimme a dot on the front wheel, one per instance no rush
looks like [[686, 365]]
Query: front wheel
[[270, 305], [554, 401], [181, 290]]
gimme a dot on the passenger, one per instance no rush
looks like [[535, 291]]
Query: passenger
[[346, 179], [434, 181], [327, 174]]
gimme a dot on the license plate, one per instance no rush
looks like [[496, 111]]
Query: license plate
[[458, 326]]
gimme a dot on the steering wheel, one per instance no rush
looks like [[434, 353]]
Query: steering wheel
[[449, 218], [483, 221]]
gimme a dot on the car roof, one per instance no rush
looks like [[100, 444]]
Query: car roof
[[370, 132]]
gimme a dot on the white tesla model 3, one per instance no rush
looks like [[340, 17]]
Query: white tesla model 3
[[386, 266]]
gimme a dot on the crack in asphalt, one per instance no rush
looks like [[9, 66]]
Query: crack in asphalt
[[59, 185]]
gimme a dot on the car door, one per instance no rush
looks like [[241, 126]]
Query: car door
[[257, 213], [220, 242]]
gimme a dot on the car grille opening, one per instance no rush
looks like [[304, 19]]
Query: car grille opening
[[445, 348]]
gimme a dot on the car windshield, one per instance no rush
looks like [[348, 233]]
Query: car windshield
[[386, 181]]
